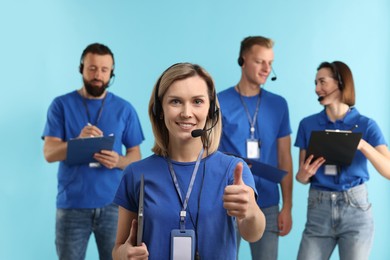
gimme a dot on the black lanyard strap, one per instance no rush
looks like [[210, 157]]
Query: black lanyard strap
[[99, 113]]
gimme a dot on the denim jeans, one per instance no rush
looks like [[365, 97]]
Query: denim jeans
[[74, 227], [338, 218], [267, 247]]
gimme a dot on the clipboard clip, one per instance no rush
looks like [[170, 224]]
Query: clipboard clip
[[342, 131]]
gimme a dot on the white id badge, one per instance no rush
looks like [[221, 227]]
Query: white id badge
[[331, 170], [94, 165], [182, 244], [252, 149]]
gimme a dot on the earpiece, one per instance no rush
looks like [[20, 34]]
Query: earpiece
[[213, 111], [240, 61], [340, 81], [338, 75]]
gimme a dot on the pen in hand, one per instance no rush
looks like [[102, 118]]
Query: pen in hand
[[93, 130], [89, 124]]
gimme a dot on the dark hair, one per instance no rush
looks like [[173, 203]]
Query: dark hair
[[96, 48], [342, 73]]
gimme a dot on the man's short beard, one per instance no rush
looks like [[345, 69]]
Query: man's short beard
[[94, 90]]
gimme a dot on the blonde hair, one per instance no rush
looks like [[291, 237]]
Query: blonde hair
[[248, 42]]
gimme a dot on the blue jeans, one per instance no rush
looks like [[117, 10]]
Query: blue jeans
[[338, 218], [267, 247], [74, 227]]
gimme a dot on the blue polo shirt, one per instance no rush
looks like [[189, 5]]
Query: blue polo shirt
[[215, 230], [272, 123], [80, 186], [354, 174]]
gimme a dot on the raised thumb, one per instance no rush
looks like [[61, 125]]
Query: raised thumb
[[238, 174]]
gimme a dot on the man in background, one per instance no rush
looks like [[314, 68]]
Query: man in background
[[256, 125], [86, 191]]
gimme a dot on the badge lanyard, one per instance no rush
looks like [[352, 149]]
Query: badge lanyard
[[184, 203], [252, 121], [99, 113], [93, 164], [252, 144]]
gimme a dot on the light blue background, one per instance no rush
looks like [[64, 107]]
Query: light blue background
[[41, 43]]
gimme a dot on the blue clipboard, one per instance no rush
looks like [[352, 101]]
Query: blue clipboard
[[264, 170], [81, 150]]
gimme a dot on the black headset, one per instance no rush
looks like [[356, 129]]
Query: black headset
[[96, 48], [157, 107], [81, 68], [338, 75], [240, 61]]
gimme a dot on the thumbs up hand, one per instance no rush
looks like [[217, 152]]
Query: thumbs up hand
[[238, 175], [240, 202], [129, 248], [236, 198]]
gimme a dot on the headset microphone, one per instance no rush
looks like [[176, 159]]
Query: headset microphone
[[274, 77], [322, 97], [199, 132]]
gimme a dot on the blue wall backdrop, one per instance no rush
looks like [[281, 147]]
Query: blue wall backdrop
[[41, 46]]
